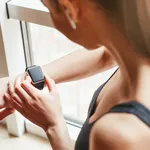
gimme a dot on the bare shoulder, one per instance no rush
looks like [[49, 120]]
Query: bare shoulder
[[119, 131]]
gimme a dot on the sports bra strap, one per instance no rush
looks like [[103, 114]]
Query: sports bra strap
[[134, 108]]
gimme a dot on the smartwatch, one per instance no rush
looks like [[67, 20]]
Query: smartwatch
[[37, 76]]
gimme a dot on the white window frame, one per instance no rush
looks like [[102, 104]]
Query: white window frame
[[29, 11]]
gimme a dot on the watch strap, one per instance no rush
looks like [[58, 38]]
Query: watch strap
[[39, 85]]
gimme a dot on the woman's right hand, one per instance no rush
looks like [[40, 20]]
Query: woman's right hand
[[41, 108]]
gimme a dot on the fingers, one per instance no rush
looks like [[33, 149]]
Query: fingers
[[13, 95], [14, 104], [30, 89], [4, 113], [22, 94], [50, 83], [18, 107], [11, 90], [28, 79], [18, 80], [19, 95], [7, 98], [2, 103]]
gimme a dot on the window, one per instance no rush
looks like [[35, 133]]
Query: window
[[44, 44]]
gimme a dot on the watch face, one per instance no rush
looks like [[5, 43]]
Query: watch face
[[36, 74]]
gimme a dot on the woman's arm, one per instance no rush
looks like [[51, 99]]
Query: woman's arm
[[75, 66], [59, 137], [31, 102], [79, 65]]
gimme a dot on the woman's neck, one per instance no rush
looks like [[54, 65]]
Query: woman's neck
[[134, 68]]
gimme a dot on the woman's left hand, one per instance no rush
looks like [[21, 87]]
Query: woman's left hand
[[40, 108]]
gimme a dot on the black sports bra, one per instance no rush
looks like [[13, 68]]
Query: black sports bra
[[131, 107]]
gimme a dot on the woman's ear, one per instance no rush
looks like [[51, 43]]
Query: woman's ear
[[71, 10]]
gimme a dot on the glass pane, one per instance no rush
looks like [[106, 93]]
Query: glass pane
[[48, 45]]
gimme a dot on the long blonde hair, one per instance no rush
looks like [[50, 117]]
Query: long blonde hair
[[135, 16]]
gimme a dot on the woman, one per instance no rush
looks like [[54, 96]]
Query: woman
[[119, 112]]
